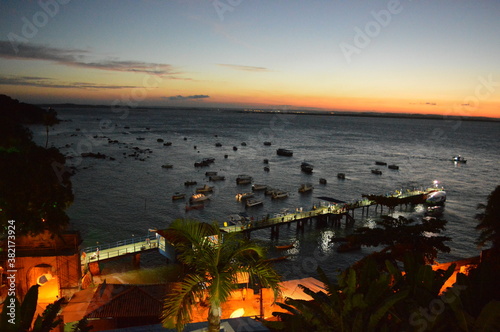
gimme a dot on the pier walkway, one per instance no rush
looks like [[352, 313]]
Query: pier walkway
[[116, 249], [327, 211]]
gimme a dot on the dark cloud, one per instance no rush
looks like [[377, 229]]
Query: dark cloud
[[245, 68], [179, 97], [45, 82], [82, 58]]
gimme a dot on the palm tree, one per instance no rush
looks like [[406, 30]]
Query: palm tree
[[489, 221], [212, 260], [49, 119]]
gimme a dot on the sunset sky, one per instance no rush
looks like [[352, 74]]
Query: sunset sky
[[436, 57]]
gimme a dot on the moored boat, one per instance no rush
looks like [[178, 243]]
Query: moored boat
[[284, 152], [258, 187], [395, 167], [377, 171], [306, 168], [305, 187], [322, 180], [242, 196], [436, 198], [205, 189], [216, 178], [459, 159], [178, 195], [341, 176], [253, 202], [381, 163], [198, 198], [190, 183], [279, 194], [243, 179], [167, 166]]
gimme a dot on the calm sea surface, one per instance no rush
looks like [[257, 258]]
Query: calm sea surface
[[120, 198]]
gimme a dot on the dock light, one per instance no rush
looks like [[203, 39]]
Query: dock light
[[436, 182]]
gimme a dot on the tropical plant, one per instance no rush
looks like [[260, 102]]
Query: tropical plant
[[49, 119], [400, 236], [489, 221], [365, 298], [212, 261], [22, 318]]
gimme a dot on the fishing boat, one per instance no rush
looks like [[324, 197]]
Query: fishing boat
[[381, 163], [459, 159], [306, 168], [243, 179], [167, 166], [279, 194], [305, 187], [205, 189], [198, 198], [377, 171], [394, 167], [258, 187], [253, 202], [242, 196], [190, 183], [284, 152], [267, 143], [322, 181], [341, 176], [178, 195], [210, 173]]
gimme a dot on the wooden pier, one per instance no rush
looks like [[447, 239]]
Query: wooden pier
[[325, 213]]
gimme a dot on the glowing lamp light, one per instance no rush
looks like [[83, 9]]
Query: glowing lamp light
[[436, 182], [237, 313], [44, 278]]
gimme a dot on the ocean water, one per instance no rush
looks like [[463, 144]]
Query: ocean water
[[129, 192]]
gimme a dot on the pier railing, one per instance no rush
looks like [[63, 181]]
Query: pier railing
[[120, 243]]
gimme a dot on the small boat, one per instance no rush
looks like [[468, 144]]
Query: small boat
[[267, 143], [284, 152], [279, 194], [381, 163], [190, 183], [341, 176], [266, 161], [253, 202], [266, 169], [205, 189], [306, 168], [243, 144], [436, 198], [216, 178], [305, 187], [243, 179], [258, 187], [276, 259], [377, 171], [210, 173], [167, 166], [322, 181], [140, 138], [194, 207], [242, 196], [235, 148], [459, 159], [198, 198], [285, 247], [160, 140], [218, 144], [178, 195], [395, 167], [167, 144]]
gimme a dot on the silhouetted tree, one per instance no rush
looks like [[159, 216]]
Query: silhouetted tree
[[489, 221]]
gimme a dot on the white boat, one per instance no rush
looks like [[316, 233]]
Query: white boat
[[305, 187], [459, 159], [242, 196], [253, 202], [436, 198], [198, 198]]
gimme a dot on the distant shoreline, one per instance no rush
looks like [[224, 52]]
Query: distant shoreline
[[293, 112]]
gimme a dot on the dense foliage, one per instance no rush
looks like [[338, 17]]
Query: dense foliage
[[34, 191]]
